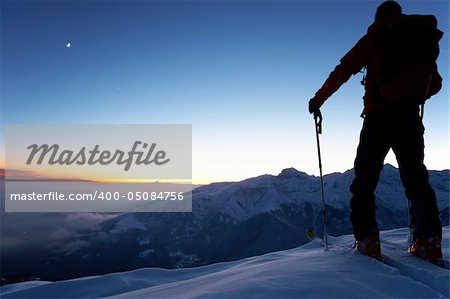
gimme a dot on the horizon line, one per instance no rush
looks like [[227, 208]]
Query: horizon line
[[35, 177]]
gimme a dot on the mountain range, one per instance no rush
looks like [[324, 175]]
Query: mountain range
[[229, 221]]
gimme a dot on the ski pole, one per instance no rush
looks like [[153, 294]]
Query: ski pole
[[318, 125]]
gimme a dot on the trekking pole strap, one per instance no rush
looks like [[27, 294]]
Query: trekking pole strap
[[318, 119]]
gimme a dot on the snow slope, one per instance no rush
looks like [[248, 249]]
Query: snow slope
[[303, 272]]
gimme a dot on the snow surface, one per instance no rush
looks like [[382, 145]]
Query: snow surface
[[303, 272]]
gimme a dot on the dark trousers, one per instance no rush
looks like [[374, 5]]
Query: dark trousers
[[398, 128]]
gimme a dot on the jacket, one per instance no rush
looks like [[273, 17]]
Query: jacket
[[394, 71]]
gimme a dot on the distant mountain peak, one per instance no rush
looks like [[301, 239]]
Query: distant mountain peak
[[291, 172]]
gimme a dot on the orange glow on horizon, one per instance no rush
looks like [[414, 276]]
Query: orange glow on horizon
[[172, 181], [25, 175]]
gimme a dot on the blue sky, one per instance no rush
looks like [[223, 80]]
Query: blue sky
[[241, 72]]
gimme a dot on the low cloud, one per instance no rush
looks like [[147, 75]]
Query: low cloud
[[82, 221]]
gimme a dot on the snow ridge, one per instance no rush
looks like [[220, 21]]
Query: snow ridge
[[307, 271]]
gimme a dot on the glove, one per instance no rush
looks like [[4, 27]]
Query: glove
[[313, 106]]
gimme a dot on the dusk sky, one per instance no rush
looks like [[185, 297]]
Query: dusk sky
[[241, 72]]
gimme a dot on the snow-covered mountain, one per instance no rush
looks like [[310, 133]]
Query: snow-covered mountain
[[304, 272], [229, 221]]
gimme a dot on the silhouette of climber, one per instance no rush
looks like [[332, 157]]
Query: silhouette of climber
[[400, 75]]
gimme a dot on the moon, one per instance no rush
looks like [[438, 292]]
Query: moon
[[68, 45]]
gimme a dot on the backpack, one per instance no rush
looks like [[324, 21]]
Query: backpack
[[403, 53]]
